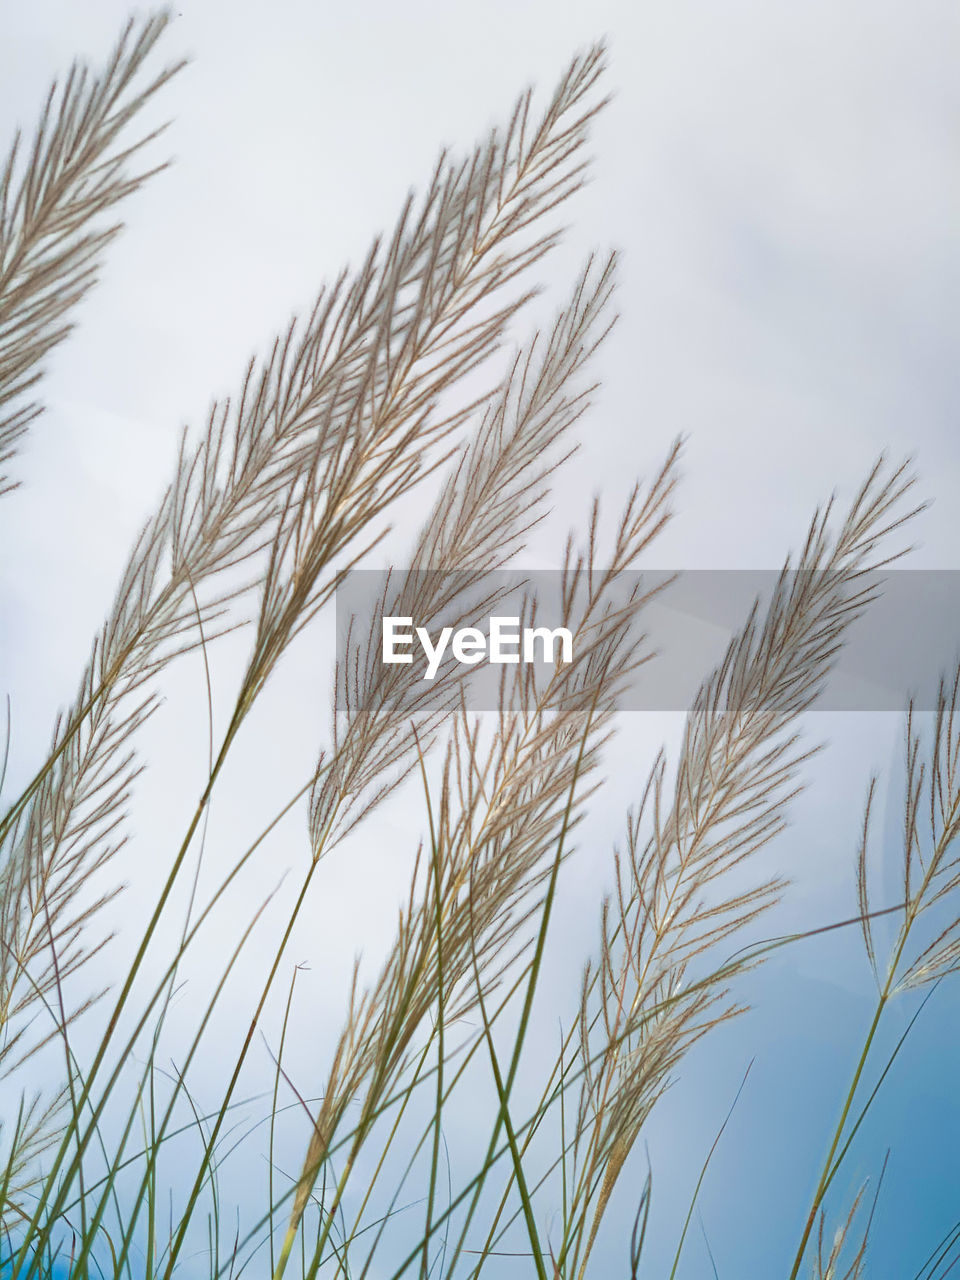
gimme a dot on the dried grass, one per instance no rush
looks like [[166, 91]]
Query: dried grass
[[287, 485]]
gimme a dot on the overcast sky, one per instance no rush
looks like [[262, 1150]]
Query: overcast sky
[[783, 181]]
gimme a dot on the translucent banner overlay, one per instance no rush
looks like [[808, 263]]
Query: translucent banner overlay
[[897, 648]]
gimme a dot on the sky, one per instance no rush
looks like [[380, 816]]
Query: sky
[[783, 183]]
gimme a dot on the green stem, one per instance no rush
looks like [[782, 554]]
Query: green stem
[[826, 1174]]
